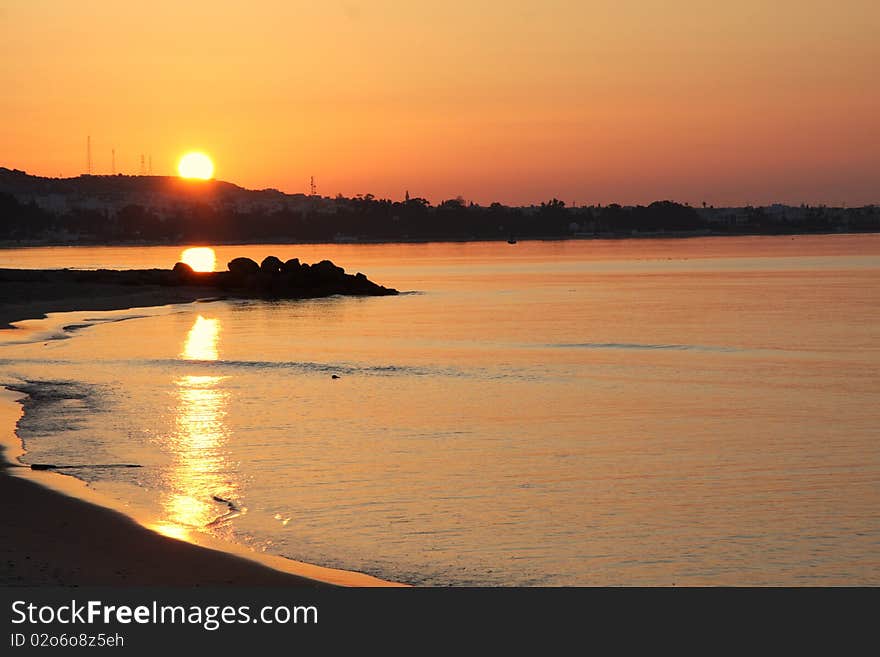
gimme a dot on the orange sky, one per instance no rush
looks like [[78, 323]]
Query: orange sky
[[519, 101]]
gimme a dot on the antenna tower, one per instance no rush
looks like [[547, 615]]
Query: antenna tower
[[150, 165], [89, 155], [113, 160], [312, 186], [143, 165]]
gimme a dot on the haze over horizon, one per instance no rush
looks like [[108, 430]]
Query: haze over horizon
[[181, 183], [593, 102]]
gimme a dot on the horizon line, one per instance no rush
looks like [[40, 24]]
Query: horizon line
[[461, 197]]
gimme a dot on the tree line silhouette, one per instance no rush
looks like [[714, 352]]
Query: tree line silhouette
[[368, 218]]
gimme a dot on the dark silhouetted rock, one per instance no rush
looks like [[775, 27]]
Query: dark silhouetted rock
[[292, 265], [183, 271], [326, 272], [271, 265], [243, 266]]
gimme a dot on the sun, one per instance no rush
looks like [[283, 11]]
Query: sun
[[200, 258], [196, 165]]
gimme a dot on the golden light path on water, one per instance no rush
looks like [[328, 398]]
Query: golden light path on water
[[198, 443]]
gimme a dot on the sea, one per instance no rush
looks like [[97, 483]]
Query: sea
[[699, 411]]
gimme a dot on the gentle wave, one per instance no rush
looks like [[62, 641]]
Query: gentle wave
[[65, 332], [219, 367], [642, 347], [301, 366], [95, 321], [53, 407]]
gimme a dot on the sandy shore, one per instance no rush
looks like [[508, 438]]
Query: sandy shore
[[49, 537], [29, 300]]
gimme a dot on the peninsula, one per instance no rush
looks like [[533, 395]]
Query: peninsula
[[30, 293]]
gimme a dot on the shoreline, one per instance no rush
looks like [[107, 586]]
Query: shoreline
[[59, 532], [23, 244], [45, 299]]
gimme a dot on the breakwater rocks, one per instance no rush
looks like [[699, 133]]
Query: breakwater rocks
[[244, 277]]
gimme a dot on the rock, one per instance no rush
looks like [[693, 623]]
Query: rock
[[326, 272], [183, 271], [271, 279], [243, 266], [334, 376], [271, 265]]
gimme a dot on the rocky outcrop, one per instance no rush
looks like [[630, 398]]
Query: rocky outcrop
[[183, 272], [244, 278], [243, 266], [271, 265], [293, 279]]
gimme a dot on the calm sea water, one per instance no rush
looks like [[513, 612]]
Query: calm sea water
[[592, 412]]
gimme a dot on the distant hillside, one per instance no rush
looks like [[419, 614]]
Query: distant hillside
[[120, 190], [124, 209], [14, 181]]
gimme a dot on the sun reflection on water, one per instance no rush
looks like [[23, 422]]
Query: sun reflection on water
[[199, 483], [201, 341]]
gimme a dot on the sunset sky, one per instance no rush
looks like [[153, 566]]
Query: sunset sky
[[597, 101]]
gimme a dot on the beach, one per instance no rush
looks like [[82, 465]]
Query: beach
[[50, 538], [31, 300]]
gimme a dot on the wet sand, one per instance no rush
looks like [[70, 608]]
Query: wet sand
[[49, 538], [32, 300]]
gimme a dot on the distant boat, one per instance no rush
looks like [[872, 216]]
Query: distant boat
[[511, 241]]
